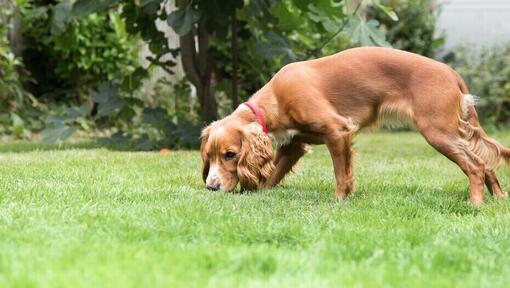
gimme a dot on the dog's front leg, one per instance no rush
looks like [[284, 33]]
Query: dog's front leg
[[286, 157], [340, 148], [337, 132]]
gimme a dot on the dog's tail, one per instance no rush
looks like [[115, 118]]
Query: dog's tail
[[477, 141]]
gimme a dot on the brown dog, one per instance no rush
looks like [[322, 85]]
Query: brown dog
[[328, 99]]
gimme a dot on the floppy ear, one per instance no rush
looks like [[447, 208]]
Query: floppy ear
[[205, 160], [255, 163]]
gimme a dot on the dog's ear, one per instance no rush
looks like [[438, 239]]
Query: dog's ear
[[205, 159], [255, 163]]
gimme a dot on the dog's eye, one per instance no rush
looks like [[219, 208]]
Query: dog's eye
[[230, 155]]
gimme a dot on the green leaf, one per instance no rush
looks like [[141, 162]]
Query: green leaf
[[107, 99], [365, 33], [156, 117], [85, 7], [389, 11], [69, 115], [287, 20], [145, 143], [182, 20], [61, 17], [318, 15], [277, 46], [58, 132], [150, 6]]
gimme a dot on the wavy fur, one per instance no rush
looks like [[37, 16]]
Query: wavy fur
[[489, 150], [255, 164], [205, 162]]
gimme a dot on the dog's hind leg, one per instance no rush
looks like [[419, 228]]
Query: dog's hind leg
[[440, 123], [480, 141], [286, 157], [456, 149], [492, 182]]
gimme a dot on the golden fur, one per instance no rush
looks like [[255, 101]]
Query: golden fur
[[327, 100]]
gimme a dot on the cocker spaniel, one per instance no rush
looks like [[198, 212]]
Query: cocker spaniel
[[327, 100]]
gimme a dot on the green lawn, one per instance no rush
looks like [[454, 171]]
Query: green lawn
[[85, 216]]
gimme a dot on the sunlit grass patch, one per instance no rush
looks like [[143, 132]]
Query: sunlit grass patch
[[85, 216]]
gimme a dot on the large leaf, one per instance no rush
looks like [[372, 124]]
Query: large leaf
[[150, 6], [182, 20], [157, 117], [69, 115], [288, 19], [85, 7], [365, 33], [118, 140], [107, 99], [216, 15], [145, 143], [61, 17], [58, 132], [330, 23], [388, 11], [277, 46]]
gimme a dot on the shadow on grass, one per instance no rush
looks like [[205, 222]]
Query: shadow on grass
[[405, 200], [23, 147]]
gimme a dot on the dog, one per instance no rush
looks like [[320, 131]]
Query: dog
[[329, 99]]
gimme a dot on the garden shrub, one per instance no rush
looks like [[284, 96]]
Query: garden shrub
[[70, 57], [86, 68], [15, 102], [415, 29], [487, 74]]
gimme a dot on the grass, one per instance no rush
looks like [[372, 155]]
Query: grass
[[84, 216]]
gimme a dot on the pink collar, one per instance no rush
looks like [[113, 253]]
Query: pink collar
[[259, 115]]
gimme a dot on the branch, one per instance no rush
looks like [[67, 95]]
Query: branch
[[203, 47], [234, 60], [315, 51], [188, 58]]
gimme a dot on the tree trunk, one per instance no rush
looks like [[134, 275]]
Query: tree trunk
[[235, 100], [14, 33], [197, 67], [208, 108], [198, 71]]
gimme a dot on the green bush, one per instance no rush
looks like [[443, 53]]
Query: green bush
[[14, 100], [487, 74], [165, 115], [70, 57], [415, 29]]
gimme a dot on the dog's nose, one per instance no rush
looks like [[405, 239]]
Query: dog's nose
[[214, 187]]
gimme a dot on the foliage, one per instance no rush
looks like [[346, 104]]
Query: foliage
[[70, 57], [204, 20], [78, 54], [167, 120], [298, 30], [15, 101], [279, 31], [86, 216], [93, 69], [415, 30], [487, 74], [274, 33]]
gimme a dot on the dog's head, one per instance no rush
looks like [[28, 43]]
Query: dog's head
[[233, 153]]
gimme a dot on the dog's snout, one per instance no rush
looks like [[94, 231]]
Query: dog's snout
[[213, 187]]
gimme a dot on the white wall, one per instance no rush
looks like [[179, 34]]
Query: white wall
[[475, 22]]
